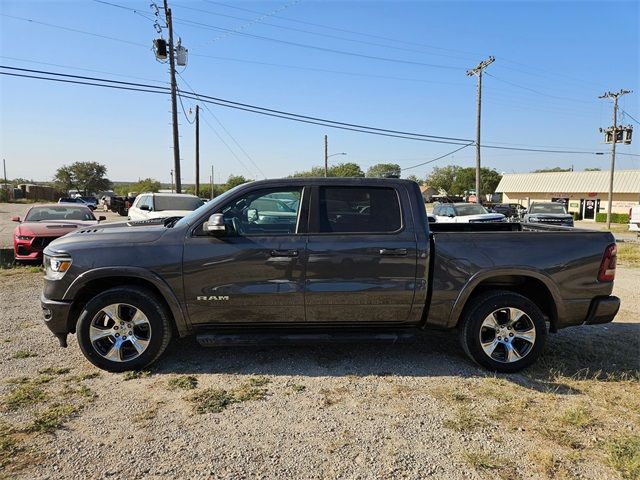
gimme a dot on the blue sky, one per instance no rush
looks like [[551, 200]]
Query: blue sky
[[553, 59]]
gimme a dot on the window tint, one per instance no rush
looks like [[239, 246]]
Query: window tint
[[469, 209], [39, 214], [359, 210], [548, 208], [264, 212], [176, 202], [143, 200]]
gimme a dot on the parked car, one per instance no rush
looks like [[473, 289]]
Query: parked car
[[121, 205], [339, 273], [148, 206], [89, 201], [44, 223], [77, 200], [634, 219], [551, 213], [510, 210], [464, 213]]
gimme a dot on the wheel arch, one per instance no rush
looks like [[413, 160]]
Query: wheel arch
[[532, 284], [90, 283]]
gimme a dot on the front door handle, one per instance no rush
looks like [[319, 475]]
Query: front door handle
[[284, 253], [393, 252]]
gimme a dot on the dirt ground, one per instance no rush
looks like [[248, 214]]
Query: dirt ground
[[365, 411]]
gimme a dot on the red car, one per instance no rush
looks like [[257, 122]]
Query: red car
[[44, 223]]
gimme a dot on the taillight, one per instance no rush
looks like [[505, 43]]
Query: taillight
[[608, 266]]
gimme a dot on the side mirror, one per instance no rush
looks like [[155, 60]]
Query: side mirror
[[145, 207], [431, 219], [215, 225], [252, 215], [15, 219], [101, 218]]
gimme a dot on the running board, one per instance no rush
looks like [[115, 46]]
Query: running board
[[222, 339]]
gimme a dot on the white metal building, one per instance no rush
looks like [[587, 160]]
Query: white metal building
[[583, 192]]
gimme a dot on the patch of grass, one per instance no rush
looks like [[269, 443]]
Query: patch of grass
[[297, 388], [23, 396], [20, 269], [560, 436], [183, 382], [9, 445], [548, 465], [331, 396], [51, 418], [212, 400], [54, 371], [24, 354], [83, 376], [623, 454], [629, 253], [578, 416], [465, 420], [135, 374], [215, 400], [482, 460], [448, 394]]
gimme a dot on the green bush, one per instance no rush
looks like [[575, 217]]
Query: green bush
[[615, 217], [576, 216]]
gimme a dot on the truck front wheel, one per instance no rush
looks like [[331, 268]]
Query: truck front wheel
[[123, 328], [502, 331]]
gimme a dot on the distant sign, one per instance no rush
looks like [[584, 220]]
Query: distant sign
[[472, 199], [592, 194]]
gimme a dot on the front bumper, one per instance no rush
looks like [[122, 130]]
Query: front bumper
[[602, 310], [56, 317]]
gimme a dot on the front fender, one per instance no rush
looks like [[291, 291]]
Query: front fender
[[182, 322]]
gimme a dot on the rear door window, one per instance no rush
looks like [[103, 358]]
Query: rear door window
[[358, 210]]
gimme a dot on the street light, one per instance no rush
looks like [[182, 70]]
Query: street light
[[326, 161]]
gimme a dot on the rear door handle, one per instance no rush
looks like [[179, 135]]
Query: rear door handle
[[284, 253], [393, 252]]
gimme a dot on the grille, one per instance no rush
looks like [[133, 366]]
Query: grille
[[41, 242]]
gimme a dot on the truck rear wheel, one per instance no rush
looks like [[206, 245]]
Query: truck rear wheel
[[123, 328], [503, 331]]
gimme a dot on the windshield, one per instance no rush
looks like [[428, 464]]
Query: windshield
[[205, 206], [470, 209], [39, 214], [161, 203], [548, 208]]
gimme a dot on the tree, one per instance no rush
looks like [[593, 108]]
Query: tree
[[416, 179], [86, 177], [235, 180], [148, 185], [554, 169], [465, 180], [593, 169], [339, 170], [381, 170], [442, 178]]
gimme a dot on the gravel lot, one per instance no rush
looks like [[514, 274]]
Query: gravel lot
[[397, 411]]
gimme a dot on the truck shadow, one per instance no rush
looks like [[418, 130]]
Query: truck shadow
[[601, 353]]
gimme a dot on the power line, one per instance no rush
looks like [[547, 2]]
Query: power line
[[629, 115], [74, 30], [225, 129], [438, 158], [284, 115], [537, 91]]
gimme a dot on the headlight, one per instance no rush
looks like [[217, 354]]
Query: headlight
[[56, 267], [533, 219], [23, 237]]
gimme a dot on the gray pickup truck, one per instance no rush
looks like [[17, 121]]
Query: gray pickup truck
[[323, 260]]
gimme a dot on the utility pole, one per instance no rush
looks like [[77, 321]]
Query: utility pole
[[174, 103], [478, 73], [211, 182], [614, 137], [326, 156], [197, 150]]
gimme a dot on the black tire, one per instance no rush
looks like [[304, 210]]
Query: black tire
[[142, 299], [496, 302]]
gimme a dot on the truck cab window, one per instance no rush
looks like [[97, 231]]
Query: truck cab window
[[359, 210], [264, 212]]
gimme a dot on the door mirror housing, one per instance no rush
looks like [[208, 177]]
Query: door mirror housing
[[101, 218], [15, 219], [145, 207], [252, 215], [215, 225]]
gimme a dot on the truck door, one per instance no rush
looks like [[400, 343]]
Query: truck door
[[254, 272], [361, 255]]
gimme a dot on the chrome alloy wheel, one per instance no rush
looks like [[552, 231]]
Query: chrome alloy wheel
[[507, 335], [120, 332]]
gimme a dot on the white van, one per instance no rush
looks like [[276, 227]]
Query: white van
[[634, 219]]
